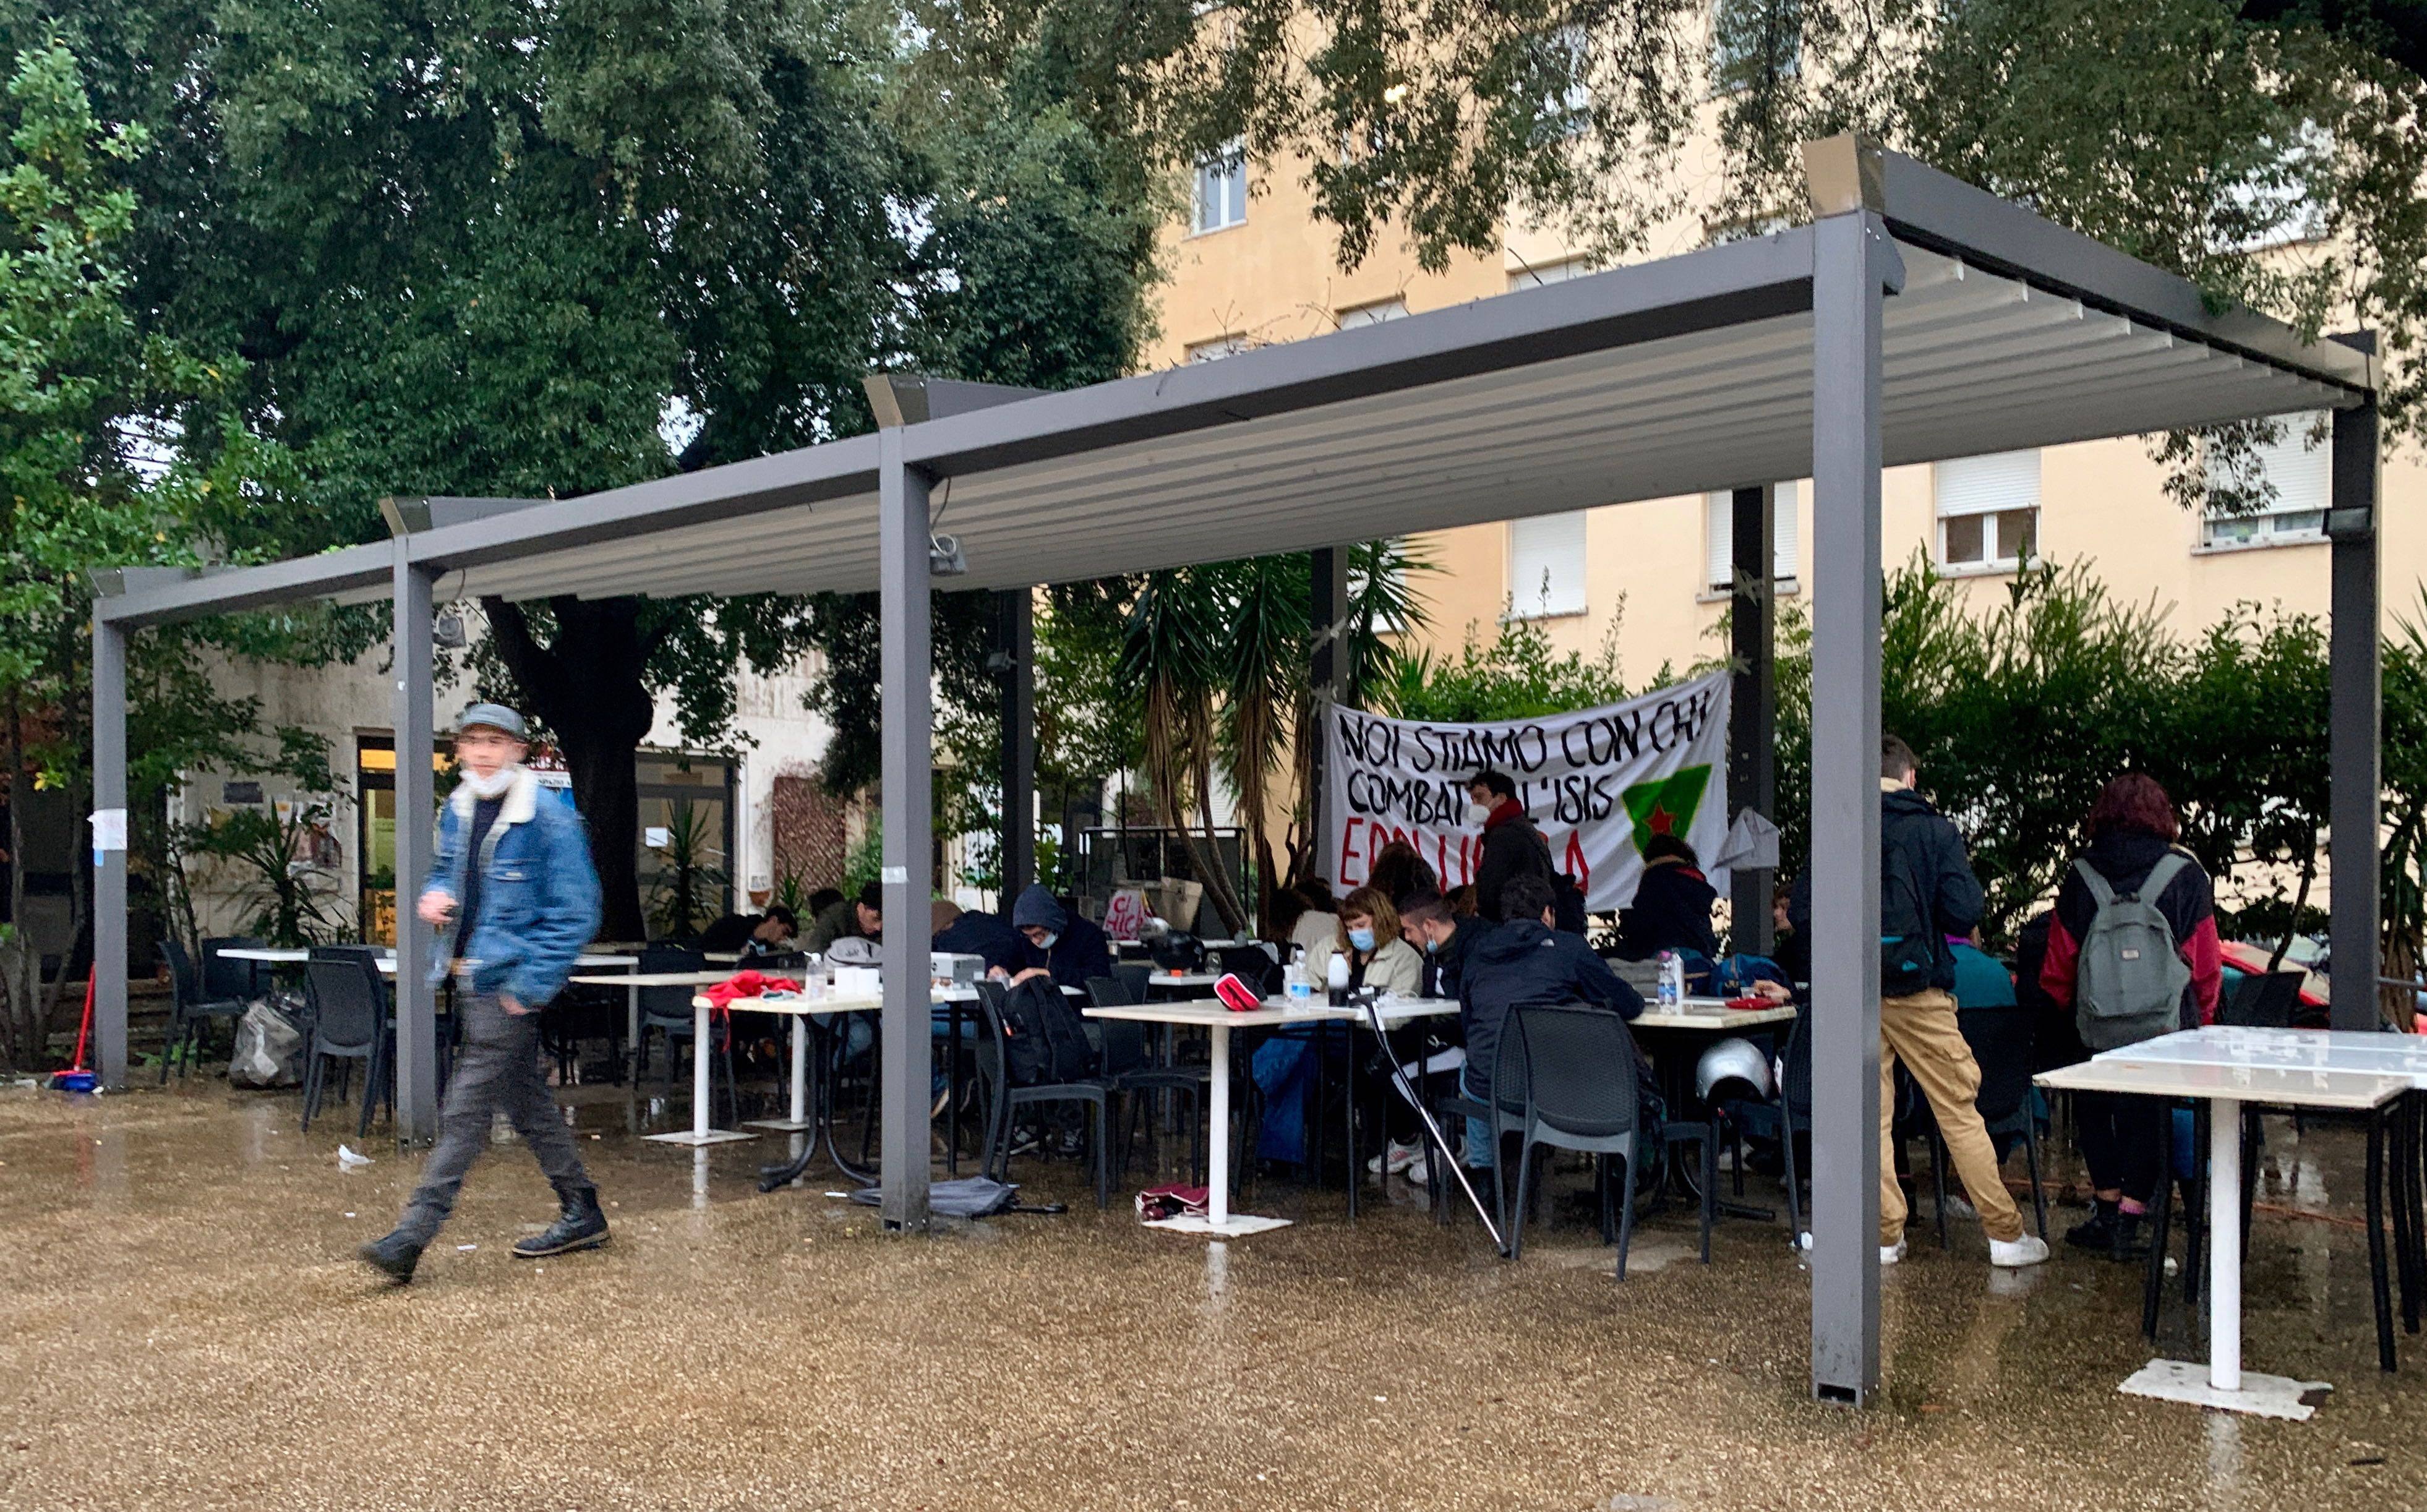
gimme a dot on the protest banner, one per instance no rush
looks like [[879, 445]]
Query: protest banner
[[1599, 783]]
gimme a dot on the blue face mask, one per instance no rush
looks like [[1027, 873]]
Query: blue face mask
[[1047, 943], [1361, 940], [1432, 947]]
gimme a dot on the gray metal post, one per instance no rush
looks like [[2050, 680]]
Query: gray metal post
[[2356, 715], [1329, 605], [109, 863], [417, 997], [1852, 262], [1017, 647], [906, 773], [1753, 719]]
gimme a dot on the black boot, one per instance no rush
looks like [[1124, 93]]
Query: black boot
[[2131, 1244], [579, 1225], [394, 1256], [2098, 1234]]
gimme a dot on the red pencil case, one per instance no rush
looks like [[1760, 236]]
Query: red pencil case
[[1236, 995]]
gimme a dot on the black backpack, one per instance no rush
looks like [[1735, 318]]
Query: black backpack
[[1044, 1039], [1909, 943]]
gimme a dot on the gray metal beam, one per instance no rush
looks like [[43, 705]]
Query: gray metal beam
[[1852, 263], [2354, 762], [1328, 614], [1753, 709], [413, 514], [914, 399], [199, 590], [1939, 211], [906, 771], [109, 862], [1016, 645], [417, 998]]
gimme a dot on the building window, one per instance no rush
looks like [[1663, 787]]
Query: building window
[[1537, 275], [1217, 349], [1754, 41], [1374, 314], [2298, 464], [1989, 510], [1546, 566], [1720, 537], [1222, 190]]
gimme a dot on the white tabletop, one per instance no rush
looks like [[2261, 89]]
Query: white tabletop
[[1712, 1016], [281, 956], [1210, 1011], [2285, 1050], [795, 1005], [2320, 1088], [1184, 979]]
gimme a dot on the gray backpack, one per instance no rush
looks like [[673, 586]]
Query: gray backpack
[[2129, 985]]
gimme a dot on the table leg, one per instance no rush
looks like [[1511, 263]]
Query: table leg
[[800, 1072], [1217, 1137], [2225, 1246], [700, 1133], [632, 1029]]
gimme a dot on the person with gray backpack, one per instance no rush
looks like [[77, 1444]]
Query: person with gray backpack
[[2132, 950]]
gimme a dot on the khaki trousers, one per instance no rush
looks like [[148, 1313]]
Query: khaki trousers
[[1920, 1031]]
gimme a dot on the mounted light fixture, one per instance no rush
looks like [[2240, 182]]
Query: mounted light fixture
[[446, 630], [944, 558]]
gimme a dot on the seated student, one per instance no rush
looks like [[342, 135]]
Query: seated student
[[1400, 870], [1368, 936], [1672, 904], [1430, 927], [860, 917], [1318, 922], [978, 933], [822, 900], [1525, 961], [766, 934], [1061, 946]]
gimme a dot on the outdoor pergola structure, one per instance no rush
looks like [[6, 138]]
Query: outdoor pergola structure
[[1915, 319]]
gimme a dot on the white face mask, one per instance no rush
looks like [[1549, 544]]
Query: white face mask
[[1477, 814], [491, 786], [1047, 943]]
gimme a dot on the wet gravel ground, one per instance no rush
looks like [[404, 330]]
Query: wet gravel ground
[[185, 1326]]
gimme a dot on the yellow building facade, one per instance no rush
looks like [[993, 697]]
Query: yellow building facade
[[1251, 266]]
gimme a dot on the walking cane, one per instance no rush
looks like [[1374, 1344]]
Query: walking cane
[[1440, 1141]]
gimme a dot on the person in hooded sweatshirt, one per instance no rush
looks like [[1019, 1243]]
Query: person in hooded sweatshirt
[[2131, 830], [1672, 904], [1061, 945], [1524, 960]]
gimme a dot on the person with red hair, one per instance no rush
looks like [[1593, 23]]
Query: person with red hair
[[2131, 828]]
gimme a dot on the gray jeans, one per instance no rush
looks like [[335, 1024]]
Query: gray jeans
[[498, 1069]]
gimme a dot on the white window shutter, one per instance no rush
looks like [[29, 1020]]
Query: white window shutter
[[1546, 566], [2304, 475], [1987, 485], [1718, 541], [1784, 540]]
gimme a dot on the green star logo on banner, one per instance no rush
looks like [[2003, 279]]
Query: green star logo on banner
[[1666, 806]]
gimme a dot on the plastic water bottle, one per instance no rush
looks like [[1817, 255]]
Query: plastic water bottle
[[1296, 982], [1672, 980]]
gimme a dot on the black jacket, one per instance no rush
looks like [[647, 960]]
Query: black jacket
[[1921, 857], [986, 934], [1510, 850], [1080, 953], [1671, 912], [1443, 967], [1521, 962]]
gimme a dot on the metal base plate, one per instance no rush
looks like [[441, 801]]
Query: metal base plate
[[781, 1126], [714, 1136], [1236, 1226], [2264, 1396]]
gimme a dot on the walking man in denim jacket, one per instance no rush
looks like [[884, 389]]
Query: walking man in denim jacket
[[514, 898]]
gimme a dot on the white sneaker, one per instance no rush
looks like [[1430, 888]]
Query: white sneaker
[[1394, 1158], [1418, 1170], [1890, 1254], [2013, 1254]]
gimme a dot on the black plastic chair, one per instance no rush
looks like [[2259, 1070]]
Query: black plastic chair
[[348, 1007], [1131, 1073], [1252, 965], [1134, 976], [1574, 1076], [2263, 999], [668, 1012], [1003, 1099], [2000, 1039], [192, 1008], [224, 977]]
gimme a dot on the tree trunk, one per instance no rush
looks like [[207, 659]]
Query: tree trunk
[[587, 686], [20, 960]]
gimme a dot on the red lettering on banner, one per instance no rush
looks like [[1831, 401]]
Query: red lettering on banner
[[1576, 866], [1347, 853]]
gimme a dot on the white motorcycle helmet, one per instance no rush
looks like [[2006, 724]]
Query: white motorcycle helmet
[[1734, 1060]]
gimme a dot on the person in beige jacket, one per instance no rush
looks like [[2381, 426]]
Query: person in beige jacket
[[1368, 935]]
